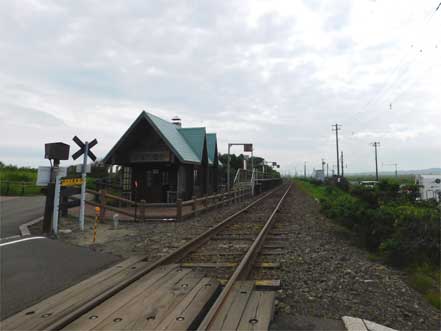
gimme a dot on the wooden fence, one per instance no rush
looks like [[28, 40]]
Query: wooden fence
[[179, 210]]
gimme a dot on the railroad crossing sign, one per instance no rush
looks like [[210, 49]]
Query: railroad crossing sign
[[71, 181], [85, 151], [83, 148]]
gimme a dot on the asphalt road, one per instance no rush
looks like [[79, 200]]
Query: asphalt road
[[35, 269], [16, 211]]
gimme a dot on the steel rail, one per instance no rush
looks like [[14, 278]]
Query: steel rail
[[243, 269], [174, 256]]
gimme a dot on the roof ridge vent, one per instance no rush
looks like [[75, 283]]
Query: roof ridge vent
[[177, 121]]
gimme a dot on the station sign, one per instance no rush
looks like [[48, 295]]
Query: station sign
[[248, 147], [44, 175], [72, 181]]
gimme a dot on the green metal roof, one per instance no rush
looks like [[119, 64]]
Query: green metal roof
[[178, 144], [195, 138], [211, 146], [169, 133]]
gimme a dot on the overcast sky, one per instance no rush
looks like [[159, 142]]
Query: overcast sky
[[274, 73]]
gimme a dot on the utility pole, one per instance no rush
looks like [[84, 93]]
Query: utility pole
[[327, 169], [323, 166], [376, 144], [304, 170], [396, 167], [342, 166], [336, 127]]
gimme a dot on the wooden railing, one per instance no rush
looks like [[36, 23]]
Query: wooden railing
[[140, 208]]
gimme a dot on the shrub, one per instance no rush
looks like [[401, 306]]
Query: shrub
[[416, 237], [434, 298]]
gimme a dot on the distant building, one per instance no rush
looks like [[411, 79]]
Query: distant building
[[163, 161], [319, 175], [430, 186]]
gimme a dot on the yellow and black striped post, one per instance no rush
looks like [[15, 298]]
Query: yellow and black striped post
[[97, 219]]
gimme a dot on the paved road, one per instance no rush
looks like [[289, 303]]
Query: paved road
[[34, 269], [16, 211]]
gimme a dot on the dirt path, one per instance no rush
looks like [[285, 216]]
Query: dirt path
[[325, 275]]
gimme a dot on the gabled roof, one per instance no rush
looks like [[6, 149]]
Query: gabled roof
[[169, 132], [211, 146], [195, 138]]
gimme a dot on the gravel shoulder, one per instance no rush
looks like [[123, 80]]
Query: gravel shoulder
[[325, 275]]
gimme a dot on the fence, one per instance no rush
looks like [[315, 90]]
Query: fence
[[19, 188], [179, 210]]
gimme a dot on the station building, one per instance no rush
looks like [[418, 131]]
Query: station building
[[161, 161]]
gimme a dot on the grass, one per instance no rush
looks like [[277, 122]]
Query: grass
[[18, 181], [421, 282], [434, 298], [426, 280], [318, 192]]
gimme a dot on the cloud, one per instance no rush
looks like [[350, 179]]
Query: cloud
[[275, 73]]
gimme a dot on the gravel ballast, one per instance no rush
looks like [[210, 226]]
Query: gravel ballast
[[325, 275]]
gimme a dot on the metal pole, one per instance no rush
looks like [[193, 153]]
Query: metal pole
[[336, 143], [252, 170], [56, 200], [342, 171], [376, 161], [228, 168], [327, 169], [83, 186], [304, 169]]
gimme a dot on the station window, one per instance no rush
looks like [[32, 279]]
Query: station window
[[149, 178], [164, 178], [196, 177], [127, 178]]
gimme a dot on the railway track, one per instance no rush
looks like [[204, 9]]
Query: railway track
[[237, 250]]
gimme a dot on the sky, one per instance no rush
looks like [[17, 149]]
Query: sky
[[273, 73]]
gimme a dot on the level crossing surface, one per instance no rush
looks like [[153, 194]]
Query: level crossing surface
[[34, 268]]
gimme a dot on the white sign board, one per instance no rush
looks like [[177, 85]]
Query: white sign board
[[79, 167], [44, 175]]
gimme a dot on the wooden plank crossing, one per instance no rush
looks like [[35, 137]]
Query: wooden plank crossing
[[268, 265], [168, 298], [276, 251], [43, 314], [245, 309]]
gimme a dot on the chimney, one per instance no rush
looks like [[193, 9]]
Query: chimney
[[177, 121]]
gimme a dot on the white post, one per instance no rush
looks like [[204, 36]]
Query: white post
[[228, 168], [56, 200], [83, 186]]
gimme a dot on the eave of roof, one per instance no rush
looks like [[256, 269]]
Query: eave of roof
[[211, 146], [168, 132]]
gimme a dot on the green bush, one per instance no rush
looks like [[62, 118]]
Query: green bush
[[421, 282], [434, 298], [416, 237], [404, 233]]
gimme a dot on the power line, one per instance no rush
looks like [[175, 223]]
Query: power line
[[398, 73], [397, 78]]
